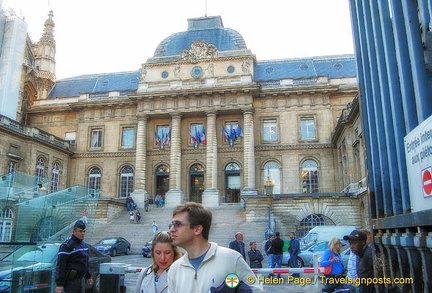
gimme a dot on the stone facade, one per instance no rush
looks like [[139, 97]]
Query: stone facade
[[284, 114]]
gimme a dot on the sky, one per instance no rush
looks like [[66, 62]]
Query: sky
[[100, 36]]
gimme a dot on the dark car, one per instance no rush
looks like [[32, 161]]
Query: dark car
[[113, 246], [32, 267], [146, 250]]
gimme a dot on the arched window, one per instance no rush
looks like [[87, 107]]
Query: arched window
[[6, 222], [313, 220], [310, 182], [40, 169], [94, 180], [126, 181], [55, 177], [272, 170]]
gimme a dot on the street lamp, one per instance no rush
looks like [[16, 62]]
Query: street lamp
[[268, 187]]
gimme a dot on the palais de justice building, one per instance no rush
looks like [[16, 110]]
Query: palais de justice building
[[203, 120]]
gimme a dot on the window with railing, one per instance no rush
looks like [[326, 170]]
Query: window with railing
[[126, 181], [310, 183]]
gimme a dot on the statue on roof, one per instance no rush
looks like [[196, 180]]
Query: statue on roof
[[199, 50]]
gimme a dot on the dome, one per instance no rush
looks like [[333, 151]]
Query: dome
[[209, 29]]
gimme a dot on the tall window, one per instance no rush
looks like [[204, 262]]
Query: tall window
[[310, 177], [40, 169], [12, 166], [6, 222], [270, 130], [128, 137], [272, 170], [126, 181], [96, 138], [307, 126], [94, 180], [162, 136], [55, 177]]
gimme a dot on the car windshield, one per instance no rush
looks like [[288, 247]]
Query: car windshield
[[107, 241], [39, 253]]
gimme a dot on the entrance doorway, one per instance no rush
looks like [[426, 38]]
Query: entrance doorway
[[196, 173], [232, 183], [162, 180]]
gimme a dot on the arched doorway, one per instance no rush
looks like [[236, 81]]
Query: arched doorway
[[232, 182], [162, 179], [196, 173]]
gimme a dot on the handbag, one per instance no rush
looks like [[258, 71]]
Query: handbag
[[328, 269]]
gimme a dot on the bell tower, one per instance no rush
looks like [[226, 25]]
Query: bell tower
[[45, 51]]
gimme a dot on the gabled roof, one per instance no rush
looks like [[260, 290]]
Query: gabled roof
[[95, 83]]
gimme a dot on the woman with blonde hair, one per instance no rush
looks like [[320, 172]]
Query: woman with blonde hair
[[333, 264], [153, 279]]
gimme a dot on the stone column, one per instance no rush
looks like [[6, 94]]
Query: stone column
[[140, 193], [211, 196], [175, 196], [249, 154]]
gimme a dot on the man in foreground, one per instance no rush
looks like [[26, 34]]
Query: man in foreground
[[73, 262], [205, 264], [360, 247]]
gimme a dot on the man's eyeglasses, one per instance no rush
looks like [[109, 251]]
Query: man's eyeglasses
[[178, 224]]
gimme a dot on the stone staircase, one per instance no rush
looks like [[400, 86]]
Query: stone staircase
[[227, 220]]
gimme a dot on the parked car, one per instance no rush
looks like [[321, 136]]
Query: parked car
[[113, 246], [146, 250], [305, 257], [33, 267]]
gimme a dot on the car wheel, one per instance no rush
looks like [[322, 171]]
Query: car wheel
[[127, 250], [114, 252], [300, 262]]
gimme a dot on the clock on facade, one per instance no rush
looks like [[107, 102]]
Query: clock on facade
[[197, 72]]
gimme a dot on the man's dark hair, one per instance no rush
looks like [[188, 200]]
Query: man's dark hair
[[277, 234], [198, 215]]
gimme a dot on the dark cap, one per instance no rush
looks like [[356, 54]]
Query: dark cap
[[356, 235], [80, 225]]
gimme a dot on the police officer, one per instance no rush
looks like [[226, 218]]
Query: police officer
[[73, 262]]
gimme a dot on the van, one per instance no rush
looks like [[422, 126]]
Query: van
[[325, 233]]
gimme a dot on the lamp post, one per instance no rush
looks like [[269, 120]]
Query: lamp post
[[268, 187]]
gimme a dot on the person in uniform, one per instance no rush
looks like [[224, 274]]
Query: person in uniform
[[73, 262]]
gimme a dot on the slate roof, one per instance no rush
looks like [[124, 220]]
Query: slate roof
[[95, 83], [331, 66], [208, 29]]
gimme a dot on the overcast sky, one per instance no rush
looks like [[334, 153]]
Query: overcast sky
[[99, 36]]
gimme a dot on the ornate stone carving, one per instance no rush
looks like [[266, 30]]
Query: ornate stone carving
[[199, 50]]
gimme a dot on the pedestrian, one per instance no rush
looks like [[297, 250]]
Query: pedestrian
[[205, 265], [294, 251], [267, 249], [146, 204], [130, 204], [359, 246], [334, 270], [238, 244], [157, 200], [138, 216], [72, 270], [84, 217], [353, 260], [255, 256], [154, 279], [155, 227], [277, 252], [131, 217]]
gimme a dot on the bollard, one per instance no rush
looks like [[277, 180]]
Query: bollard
[[112, 277]]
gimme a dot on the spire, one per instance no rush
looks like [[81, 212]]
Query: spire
[[45, 51]]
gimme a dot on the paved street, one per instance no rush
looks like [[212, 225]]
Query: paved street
[[135, 260]]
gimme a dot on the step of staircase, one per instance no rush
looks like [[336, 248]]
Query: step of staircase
[[227, 220]]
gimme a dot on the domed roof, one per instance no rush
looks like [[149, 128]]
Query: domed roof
[[209, 29]]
